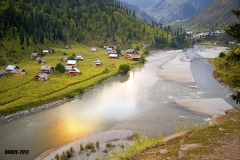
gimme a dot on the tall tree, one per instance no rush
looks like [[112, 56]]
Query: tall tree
[[234, 29]]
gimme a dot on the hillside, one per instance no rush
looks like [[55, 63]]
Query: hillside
[[31, 26], [218, 13], [168, 11]]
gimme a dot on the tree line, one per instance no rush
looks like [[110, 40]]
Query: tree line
[[82, 21]]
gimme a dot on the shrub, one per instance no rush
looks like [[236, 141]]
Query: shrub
[[59, 67], [123, 69], [89, 145], [222, 54]]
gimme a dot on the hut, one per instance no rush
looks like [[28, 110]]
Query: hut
[[64, 60], [72, 63], [74, 72], [113, 56], [35, 55], [11, 67], [41, 77], [136, 58], [130, 51], [67, 69], [97, 63], [93, 50], [128, 56], [42, 62], [79, 58], [47, 69], [18, 72], [45, 51]]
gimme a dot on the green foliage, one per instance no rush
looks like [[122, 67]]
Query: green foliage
[[236, 97], [59, 67], [221, 55], [234, 29], [90, 145], [71, 58], [97, 145], [123, 69]]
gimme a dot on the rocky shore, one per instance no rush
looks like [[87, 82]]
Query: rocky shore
[[7, 118]]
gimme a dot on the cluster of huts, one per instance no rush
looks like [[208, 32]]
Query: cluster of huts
[[70, 67], [131, 54]]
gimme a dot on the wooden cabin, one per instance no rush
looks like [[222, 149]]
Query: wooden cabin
[[79, 58], [47, 69], [18, 72], [74, 72], [41, 77], [45, 52], [67, 69], [72, 63], [136, 58], [35, 55], [3, 73], [64, 60], [130, 51], [97, 63], [93, 50], [113, 56], [42, 62], [11, 67]]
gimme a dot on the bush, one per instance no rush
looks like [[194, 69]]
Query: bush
[[59, 67], [221, 55], [123, 69], [90, 145]]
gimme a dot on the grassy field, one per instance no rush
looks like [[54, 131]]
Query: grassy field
[[21, 93]]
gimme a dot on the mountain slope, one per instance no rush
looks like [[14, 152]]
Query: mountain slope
[[219, 12], [167, 11]]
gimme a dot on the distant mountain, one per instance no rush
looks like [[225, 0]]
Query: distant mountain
[[168, 11], [141, 14], [219, 12]]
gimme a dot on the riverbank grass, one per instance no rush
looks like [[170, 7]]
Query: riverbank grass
[[21, 93], [207, 142]]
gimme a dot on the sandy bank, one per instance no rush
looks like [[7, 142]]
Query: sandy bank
[[177, 69], [209, 107], [121, 139], [211, 52]]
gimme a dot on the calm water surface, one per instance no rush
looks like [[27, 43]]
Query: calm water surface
[[141, 102]]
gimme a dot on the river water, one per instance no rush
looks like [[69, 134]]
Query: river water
[[141, 101]]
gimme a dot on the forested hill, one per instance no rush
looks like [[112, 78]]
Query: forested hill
[[27, 24]]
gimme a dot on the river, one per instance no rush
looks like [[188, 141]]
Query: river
[[141, 101]]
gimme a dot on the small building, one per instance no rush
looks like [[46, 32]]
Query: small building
[[93, 50], [47, 69], [41, 77], [136, 58], [97, 63], [74, 72], [18, 72], [73, 63], [64, 60], [42, 61], [35, 55], [46, 52], [109, 49], [3, 73], [113, 56], [11, 67], [67, 47], [130, 51], [67, 69], [112, 52], [79, 58]]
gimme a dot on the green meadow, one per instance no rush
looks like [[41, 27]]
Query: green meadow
[[22, 93]]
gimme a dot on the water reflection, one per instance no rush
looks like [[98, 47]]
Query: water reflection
[[140, 101]]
